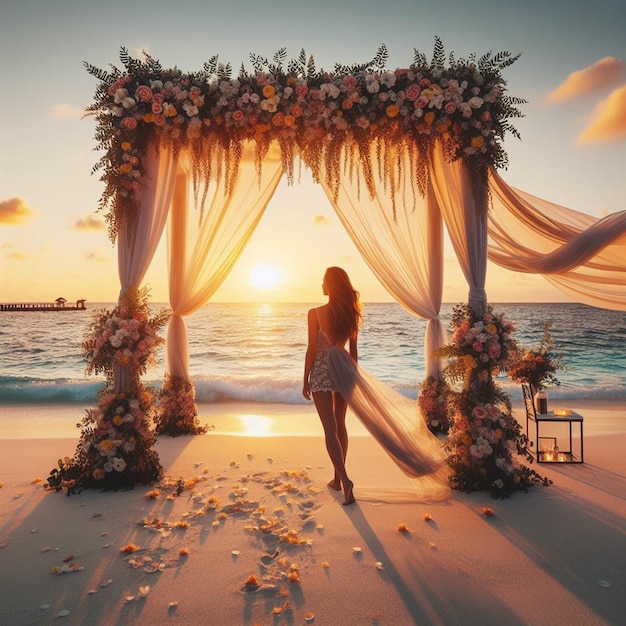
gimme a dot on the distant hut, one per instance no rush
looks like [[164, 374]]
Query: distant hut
[[60, 302], [80, 305]]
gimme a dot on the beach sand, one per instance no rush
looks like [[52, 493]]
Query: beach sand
[[257, 509]]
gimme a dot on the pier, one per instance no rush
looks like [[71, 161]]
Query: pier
[[60, 304]]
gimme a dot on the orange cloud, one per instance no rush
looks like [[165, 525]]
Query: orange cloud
[[15, 211], [320, 220], [91, 222], [15, 256], [603, 74], [96, 257], [608, 120]]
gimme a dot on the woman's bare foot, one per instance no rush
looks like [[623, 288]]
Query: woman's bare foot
[[335, 484], [348, 493]]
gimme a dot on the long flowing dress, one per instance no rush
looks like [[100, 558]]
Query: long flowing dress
[[391, 418]]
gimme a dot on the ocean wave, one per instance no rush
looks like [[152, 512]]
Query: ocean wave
[[264, 389]]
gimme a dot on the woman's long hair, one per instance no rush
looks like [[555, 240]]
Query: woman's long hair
[[344, 305]]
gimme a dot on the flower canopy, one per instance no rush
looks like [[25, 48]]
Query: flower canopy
[[328, 118]]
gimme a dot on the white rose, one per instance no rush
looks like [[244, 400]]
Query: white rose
[[119, 96], [128, 103], [475, 102], [388, 79]]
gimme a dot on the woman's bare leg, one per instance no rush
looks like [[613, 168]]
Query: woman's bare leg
[[339, 410], [324, 405]]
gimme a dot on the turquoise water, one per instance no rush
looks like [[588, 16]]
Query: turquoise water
[[255, 352]]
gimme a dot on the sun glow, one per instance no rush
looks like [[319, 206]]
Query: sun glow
[[265, 276]]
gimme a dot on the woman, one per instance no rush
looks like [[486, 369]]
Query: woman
[[332, 326], [334, 380]]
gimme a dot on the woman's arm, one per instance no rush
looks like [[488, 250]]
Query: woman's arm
[[310, 352], [354, 353]]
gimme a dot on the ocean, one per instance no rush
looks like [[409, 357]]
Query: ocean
[[255, 352]]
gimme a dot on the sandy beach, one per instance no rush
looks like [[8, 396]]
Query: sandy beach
[[256, 536]]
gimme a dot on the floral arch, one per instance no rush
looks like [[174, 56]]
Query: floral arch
[[399, 154]]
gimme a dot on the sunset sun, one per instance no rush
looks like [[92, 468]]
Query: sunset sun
[[265, 276]]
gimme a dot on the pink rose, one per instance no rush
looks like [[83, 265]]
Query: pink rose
[[144, 93], [479, 412], [302, 90], [421, 102], [157, 108], [450, 108], [238, 115], [130, 123], [347, 104], [350, 82], [477, 346], [158, 97], [412, 92]]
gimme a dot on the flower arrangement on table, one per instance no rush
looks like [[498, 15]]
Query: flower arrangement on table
[[115, 445], [177, 413], [316, 113], [485, 440], [537, 366], [433, 404]]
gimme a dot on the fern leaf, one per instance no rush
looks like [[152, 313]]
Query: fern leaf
[[439, 55]]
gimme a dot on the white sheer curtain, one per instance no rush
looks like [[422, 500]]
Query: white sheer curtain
[[406, 252], [466, 226], [583, 256], [205, 242], [137, 243]]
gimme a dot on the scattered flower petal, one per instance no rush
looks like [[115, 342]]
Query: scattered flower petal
[[184, 552], [379, 565], [325, 564], [309, 617], [235, 552], [432, 545], [3, 544], [604, 583], [130, 548], [46, 549], [96, 514], [172, 605], [106, 582], [356, 550], [403, 528], [44, 607], [427, 517], [92, 591], [487, 511], [143, 591], [62, 613], [129, 598], [34, 530]]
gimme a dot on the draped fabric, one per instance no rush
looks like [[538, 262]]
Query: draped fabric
[[583, 256], [392, 420], [405, 250], [138, 241], [466, 225], [205, 241]]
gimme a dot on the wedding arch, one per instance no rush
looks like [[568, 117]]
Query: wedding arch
[[400, 153]]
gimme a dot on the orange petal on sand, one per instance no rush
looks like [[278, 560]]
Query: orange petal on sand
[[432, 545], [402, 528], [96, 514], [184, 552], [325, 564], [292, 577], [487, 511], [36, 481], [69, 557], [153, 494], [130, 548], [427, 517], [309, 617]]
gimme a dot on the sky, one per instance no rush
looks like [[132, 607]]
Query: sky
[[53, 243]]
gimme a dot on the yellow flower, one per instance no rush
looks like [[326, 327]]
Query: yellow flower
[[469, 361], [269, 91], [477, 142], [126, 145], [106, 444], [492, 328], [429, 118], [117, 420], [126, 168]]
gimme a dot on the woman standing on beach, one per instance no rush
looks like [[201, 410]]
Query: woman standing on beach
[[333, 378], [332, 325]]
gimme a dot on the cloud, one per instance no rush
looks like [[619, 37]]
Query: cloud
[[608, 120], [66, 110], [15, 256], [15, 211], [91, 222], [96, 257], [320, 220], [603, 74], [7, 245]]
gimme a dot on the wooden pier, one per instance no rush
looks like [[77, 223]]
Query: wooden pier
[[60, 304]]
